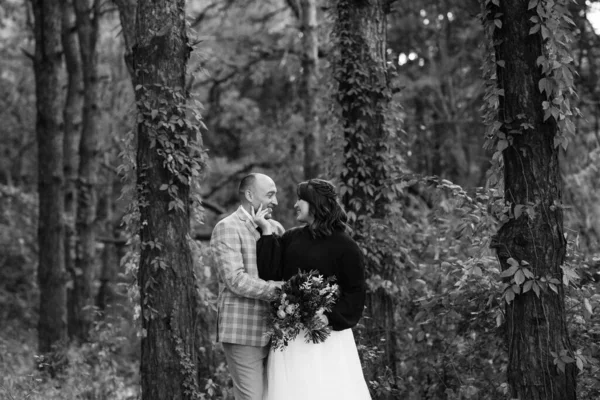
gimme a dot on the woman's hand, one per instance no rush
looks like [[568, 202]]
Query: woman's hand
[[261, 221]]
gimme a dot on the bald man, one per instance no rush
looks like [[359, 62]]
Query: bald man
[[243, 296]]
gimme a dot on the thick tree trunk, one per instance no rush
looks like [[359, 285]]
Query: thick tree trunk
[[308, 87], [536, 326], [72, 117], [52, 328], [363, 83], [166, 276], [364, 98], [87, 15]]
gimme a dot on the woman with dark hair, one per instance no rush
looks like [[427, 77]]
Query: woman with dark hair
[[331, 369]]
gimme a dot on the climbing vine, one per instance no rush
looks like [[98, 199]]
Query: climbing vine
[[531, 205], [550, 19], [168, 163], [367, 119]]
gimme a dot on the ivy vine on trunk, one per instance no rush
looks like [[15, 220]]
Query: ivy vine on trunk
[[364, 100], [168, 159], [528, 115]]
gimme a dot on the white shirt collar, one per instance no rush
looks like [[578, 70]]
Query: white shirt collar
[[249, 216]]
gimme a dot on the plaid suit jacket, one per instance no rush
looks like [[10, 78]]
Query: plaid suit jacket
[[243, 296]]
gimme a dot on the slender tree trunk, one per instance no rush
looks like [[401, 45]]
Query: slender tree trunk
[[87, 14], [308, 87], [72, 117], [364, 98], [52, 328], [127, 12], [536, 325], [109, 258], [166, 278]]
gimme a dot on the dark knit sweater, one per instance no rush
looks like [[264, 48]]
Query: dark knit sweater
[[279, 258]]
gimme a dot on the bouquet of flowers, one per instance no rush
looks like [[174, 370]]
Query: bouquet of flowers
[[298, 305]]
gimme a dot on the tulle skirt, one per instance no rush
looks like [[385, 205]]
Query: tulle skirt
[[326, 371]]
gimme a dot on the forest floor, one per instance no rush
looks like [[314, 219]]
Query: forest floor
[[105, 368]]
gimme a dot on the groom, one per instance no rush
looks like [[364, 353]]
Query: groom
[[243, 296]]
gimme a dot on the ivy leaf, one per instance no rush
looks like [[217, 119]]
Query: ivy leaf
[[536, 289], [564, 142], [545, 32], [498, 23], [509, 272], [518, 210], [510, 296], [527, 286], [502, 145], [519, 277], [154, 113], [569, 20], [579, 363], [532, 4], [516, 288], [540, 60], [557, 141], [588, 306], [534, 29], [542, 84], [513, 262], [567, 359]]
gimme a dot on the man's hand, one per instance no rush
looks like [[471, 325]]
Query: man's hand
[[259, 218]]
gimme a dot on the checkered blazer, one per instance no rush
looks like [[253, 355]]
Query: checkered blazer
[[243, 296]]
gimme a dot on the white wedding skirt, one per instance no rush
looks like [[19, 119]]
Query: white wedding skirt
[[326, 371]]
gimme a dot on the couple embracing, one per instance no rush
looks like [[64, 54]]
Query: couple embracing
[[254, 255]]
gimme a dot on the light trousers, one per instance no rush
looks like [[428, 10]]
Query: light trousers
[[247, 366]]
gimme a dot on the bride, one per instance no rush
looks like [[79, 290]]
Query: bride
[[331, 369]]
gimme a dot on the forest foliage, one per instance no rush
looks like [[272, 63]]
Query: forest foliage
[[245, 69]]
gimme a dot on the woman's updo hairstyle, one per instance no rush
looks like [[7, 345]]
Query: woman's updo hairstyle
[[324, 206]]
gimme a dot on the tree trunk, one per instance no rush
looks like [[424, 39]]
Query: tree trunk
[[308, 87], [127, 11], [87, 14], [109, 258], [166, 277], [364, 98], [52, 328], [72, 118], [536, 325]]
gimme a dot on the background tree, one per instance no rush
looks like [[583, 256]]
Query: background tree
[[88, 20], [308, 86], [534, 82], [364, 99], [52, 329], [72, 115]]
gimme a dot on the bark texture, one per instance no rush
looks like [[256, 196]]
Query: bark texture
[[166, 277], [72, 118], [52, 328], [87, 16], [536, 327], [308, 87], [364, 99], [127, 11]]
